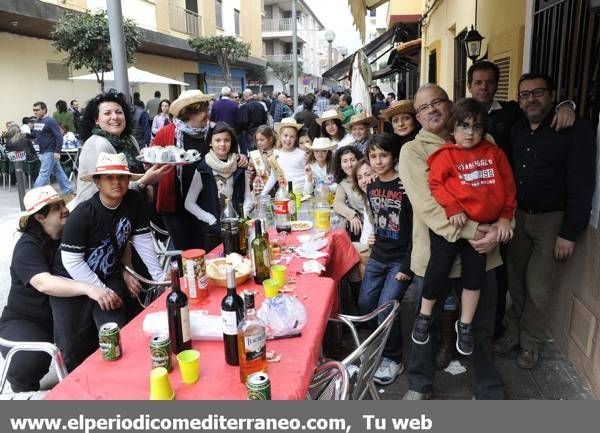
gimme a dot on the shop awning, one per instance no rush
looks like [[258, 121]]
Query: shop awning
[[358, 8], [386, 39]]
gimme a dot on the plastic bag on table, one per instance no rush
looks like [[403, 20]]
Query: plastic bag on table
[[203, 325], [283, 315]]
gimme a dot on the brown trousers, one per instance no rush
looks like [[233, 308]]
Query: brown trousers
[[531, 274]]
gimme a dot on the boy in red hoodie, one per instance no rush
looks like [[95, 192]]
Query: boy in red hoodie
[[470, 179]]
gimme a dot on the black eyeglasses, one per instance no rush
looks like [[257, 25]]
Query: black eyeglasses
[[537, 93], [433, 104]]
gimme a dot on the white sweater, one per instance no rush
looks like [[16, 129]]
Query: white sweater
[[318, 174], [292, 165]]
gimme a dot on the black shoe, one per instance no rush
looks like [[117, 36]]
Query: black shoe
[[420, 332], [464, 338]]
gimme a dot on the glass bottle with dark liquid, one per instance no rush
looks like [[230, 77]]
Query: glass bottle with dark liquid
[[178, 314], [232, 313], [230, 229]]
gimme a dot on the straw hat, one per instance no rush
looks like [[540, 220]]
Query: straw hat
[[188, 97], [111, 163], [288, 121], [329, 115], [398, 107], [361, 118], [38, 198], [322, 143]]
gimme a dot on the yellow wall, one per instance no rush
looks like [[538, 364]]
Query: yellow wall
[[500, 22], [209, 16], [251, 26], [404, 7], [29, 80], [79, 5]]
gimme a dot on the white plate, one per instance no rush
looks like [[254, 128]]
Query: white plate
[[300, 226], [141, 158]]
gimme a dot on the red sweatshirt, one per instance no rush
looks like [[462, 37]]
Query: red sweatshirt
[[477, 181]]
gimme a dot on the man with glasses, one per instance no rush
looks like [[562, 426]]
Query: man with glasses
[[482, 83], [555, 177], [47, 135], [433, 111]]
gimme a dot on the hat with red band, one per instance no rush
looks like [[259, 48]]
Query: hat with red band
[[111, 163]]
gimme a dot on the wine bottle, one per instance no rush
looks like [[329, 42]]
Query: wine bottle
[[292, 204], [230, 230], [232, 313], [261, 255], [243, 229], [178, 314], [252, 340]]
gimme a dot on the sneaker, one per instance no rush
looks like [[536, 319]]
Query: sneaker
[[416, 395], [388, 371], [464, 338], [420, 332]]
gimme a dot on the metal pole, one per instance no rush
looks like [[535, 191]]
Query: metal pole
[[117, 45], [295, 53], [330, 56]]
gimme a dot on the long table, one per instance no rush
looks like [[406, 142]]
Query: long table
[[128, 377]]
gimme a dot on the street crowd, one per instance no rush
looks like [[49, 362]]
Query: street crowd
[[466, 200]]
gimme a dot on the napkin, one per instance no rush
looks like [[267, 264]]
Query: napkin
[[203, 325], [312, 266]]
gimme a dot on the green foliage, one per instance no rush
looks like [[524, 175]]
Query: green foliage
[[257, 74], [86, 40], [225, 49], [284, 71]]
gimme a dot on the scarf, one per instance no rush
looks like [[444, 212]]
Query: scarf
[[222, 171], [125, 145], [183, 128]]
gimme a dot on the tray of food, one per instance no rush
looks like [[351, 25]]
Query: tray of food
[[168, 155], [299, 226]]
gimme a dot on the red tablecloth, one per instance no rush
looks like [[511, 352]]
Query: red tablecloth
[[128, 378]]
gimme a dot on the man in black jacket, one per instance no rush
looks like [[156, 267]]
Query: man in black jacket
[[555, 179], [251, 115]]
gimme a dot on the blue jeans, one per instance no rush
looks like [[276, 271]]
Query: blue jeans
[[49, 166], [380, 286]]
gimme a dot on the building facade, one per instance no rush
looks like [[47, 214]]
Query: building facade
[[36, 72], [277, 42]]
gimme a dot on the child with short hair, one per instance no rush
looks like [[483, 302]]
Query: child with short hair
[[92, 247], [290, 157], [470, 178], [387, 275], [360, 126]]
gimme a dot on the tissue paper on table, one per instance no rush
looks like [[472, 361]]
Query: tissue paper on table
[[310, 250], [312, 266], [203, 325]]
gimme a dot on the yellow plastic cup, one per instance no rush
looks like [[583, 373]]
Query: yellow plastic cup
[[271, 288], [278, 274], [189, 365], [160, 387]]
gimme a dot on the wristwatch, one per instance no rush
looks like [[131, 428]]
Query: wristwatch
[[140, 186]]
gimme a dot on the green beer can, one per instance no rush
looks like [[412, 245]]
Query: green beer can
[[258, 386], [160, 352], [110, 341]]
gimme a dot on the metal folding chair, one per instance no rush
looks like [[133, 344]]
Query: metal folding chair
[[32, 346], [363, 362], [150, 289], [330, 382]]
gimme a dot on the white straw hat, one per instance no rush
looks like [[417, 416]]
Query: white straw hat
[[287, 121], [322, 143], [329, 115], [38, 198], [111, 163], [188, 97]]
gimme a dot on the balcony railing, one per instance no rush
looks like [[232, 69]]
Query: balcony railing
[[184, 20], [280, 57], [280, 25]]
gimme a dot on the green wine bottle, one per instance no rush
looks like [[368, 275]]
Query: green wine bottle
[[261, 255], [293, 209]]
